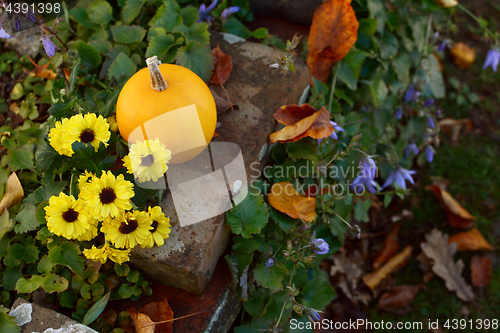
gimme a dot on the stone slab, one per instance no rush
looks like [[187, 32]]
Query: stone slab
[[37, 319], [188, 258]]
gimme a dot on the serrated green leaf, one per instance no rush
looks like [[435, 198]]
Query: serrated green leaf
[[68, 299], [81, 16], [196, 57], [100, 12], [159, 45], [388, 45], [189, 15], [89, 55], [96, 309], [360, 212], [44, 192], [26, 219], [435, 85], [28, 253], [122, 66], [29, 286], [10, 277], [271, 277], [45, 265], [248, 217], [128, 34], [167, 16], [303, 149], [54, 283], [8, 323], [318, 292], [67, 254], [131, 10], [198, 32], [21, 159]]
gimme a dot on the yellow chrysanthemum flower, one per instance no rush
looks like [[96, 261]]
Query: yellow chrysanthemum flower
[[160, 228], [108, 196], [91, 233], [84, 181], [113, 125], [58, 141], [128, 229], [119, 256], [88, 129], [66, 216], [147, 160], [106, 252]]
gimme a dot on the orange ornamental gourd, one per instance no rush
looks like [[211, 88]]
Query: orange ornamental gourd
[[171, 103]]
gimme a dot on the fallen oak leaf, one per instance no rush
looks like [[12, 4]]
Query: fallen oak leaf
[[471, 240], [398, 296], [373, 279], [334, 31], [390, 248], [480, 271], [222, 67], [441, 252], [458, 217], [13, 193], [286, 199]]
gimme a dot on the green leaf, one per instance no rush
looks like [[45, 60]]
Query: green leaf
[[318, 292], [367, 26], [270, 278], [67, 254], [360, 212], [159, 45], [81, 16], [189, 15], [40, 212], [198, 32], [387, 200], [303, 149], [248, 217], [89, 55], [17, 92], [29, 286], [26, 219], [197, 57], [388, 45], [21, 159], [261, 33], [61, 110], [122, 65], [28, 254], [45, 265], [402, 65], [435, 85], [378, 90], [8, 323], [100, 12], [68, 299], [5, 223], [167, 16], [128, 34], [131, 10], [10, 277], [235, 27], [44, 192], [125, 291], [256, 303], [96, 309], [54, 283]]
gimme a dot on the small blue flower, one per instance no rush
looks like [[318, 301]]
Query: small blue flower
[[203, 11], [431, 123], [314, 315], [439, 113], [369, 170], [4, 34], [319, 246], [429, 102], [442, 45], [32, 17], [49, 46], [399, 113], [492, 59], [410, 93], [17, 24], [429, 153], [270, 262], [412, 147], [228, 11], [399, 176]]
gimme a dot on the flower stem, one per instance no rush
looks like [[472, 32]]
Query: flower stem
[[478, 20], [334, 83]]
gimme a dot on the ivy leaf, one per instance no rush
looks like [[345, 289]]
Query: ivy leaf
[[21, 159], [271, 277], [10, 277], [197, 57], [8, 323], [167, 16], [318, 292], [100, 12], [249, 217], [26, 219], [44, 192], [189, 15], [67, 254], [131, 10], [122, 65], [54, 283], [89, 55], [128, 34], [29, 286]]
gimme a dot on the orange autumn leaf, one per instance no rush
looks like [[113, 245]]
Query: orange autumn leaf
[[373, 279], [458, 217], [301, 121], [334, 31], [222, 67], [390, 248], [286, 199], [480, 271], [471, 240], [158, 313], [43, 71], [462, 55], [143, 324]]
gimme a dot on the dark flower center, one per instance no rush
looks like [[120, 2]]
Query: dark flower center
[[87, 136], [128, 228], [70, 215], [154, 225], [107, 196], [147, 160]]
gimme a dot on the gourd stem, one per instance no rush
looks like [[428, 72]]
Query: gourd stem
[[158, 83]]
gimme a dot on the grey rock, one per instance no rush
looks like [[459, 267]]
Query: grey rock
[[25, 42], [296, 11]]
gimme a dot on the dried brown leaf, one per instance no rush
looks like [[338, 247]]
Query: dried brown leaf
[[373, 279], [480, 271], [390, 248], [143, 324], [441, 252], [222, 67], [398, 296], [292, 113], [463, 55], [221, 104], [13, 193], [286, 199], [458, 217], [471, 240], [294, 132]]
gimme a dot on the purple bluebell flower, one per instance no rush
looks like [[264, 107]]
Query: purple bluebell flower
[[399, 176], [399, 114], [228, 11], [492, 59], [412, 147], [367, 176], [4, 34], [439, 113], [314, 315], [431, 123], [410, 93], [442, 45], [336, 127], [270, 262], [203, 11], [17, 23], [429, 153], [49, 46], [319, 246], [429, 102], [436, 35]]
